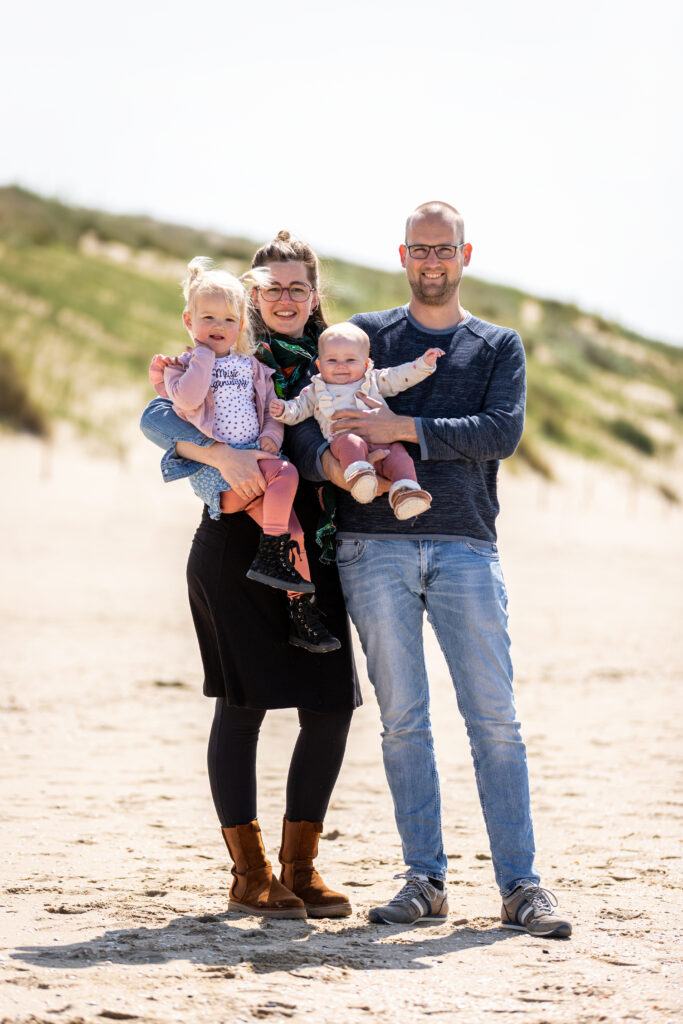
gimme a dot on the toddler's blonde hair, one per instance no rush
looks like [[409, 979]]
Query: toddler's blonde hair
[[203, 276]]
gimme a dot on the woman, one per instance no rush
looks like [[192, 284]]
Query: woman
[[253, 659]]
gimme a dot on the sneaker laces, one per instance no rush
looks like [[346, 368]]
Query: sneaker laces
[[540, 899], [413, 888]]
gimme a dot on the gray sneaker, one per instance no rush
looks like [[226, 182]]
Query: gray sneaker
[[530, 909], [418, 902]]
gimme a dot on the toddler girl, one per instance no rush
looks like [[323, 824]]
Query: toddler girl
[[219, 387]]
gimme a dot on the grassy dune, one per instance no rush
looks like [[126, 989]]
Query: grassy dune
[[86, 297]]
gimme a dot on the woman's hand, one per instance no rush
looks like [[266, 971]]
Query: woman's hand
[[239, 467], [276, 407]]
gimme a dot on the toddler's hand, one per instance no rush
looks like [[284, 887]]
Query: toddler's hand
[[276, 407], [266, 444], [160, 362], [432, 354]]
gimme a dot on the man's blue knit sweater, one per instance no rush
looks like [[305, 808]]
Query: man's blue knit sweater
[[469, 414]]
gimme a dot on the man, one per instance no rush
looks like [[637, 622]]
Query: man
[[456, 424]]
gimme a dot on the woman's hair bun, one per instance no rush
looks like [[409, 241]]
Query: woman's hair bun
[[284, 236]]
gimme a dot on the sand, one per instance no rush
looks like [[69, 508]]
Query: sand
[[115, 876]]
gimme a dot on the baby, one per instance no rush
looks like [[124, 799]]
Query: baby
[[346, 368]]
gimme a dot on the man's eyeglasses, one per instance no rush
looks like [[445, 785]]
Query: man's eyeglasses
[[298, 292], [443, 252]]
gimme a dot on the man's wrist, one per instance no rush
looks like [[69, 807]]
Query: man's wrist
[[407, 429]]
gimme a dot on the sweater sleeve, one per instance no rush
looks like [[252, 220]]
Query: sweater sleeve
[[393, 379], [187, 388], [495, 431], [299, 408]]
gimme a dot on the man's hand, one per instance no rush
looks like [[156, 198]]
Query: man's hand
[[335, 474], [276, 407], [432, 354], [266, 444], [378, 424]]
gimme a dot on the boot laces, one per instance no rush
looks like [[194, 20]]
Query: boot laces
[[413, 888], [288, 548], [279, 554], [309, 616]]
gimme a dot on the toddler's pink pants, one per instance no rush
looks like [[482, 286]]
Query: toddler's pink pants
[[272, 510]]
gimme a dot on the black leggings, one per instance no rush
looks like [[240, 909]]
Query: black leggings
[[313, 770]]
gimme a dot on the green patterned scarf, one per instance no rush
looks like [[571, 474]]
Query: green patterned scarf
[[290, 358]]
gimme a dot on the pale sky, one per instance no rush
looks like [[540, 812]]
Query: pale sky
[[556, 131]]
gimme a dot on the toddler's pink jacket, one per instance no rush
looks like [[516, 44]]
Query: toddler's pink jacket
[[190, 391]]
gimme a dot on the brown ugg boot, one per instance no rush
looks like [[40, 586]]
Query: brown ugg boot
[[254, 890], [298, 851]]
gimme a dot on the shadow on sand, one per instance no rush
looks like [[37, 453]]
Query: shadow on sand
[[212, 941]]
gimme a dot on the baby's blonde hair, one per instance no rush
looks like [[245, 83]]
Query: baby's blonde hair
[[202, 276], [348, 331]]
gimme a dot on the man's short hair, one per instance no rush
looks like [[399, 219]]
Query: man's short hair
[[438, 209]]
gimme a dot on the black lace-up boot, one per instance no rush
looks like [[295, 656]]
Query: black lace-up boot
[[306, 629], [274, 565]]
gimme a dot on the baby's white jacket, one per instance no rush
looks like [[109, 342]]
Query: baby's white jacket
[[320, 400]]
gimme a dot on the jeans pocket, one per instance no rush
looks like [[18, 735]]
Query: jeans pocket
[[350, 551], [483, 548]]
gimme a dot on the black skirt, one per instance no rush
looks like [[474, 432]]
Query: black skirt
[[242, 626]]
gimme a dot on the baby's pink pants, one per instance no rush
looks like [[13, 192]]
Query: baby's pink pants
[[397, 465]]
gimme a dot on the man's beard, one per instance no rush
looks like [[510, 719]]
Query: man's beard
[[434, 297]]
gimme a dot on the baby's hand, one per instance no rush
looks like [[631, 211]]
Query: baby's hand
[[276, 407], [432, 354], [266, 444]]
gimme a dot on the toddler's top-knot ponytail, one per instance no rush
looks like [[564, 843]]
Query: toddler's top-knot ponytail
[[284, 236], [196, 269]]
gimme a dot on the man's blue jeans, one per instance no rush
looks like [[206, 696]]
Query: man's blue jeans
[[388, 585]]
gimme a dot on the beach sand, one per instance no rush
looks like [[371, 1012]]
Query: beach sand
[[115, 875]]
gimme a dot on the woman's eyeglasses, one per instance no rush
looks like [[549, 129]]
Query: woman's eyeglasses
[[298, 292], [443, 252]]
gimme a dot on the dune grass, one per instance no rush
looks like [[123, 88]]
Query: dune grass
[[78, 326]]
